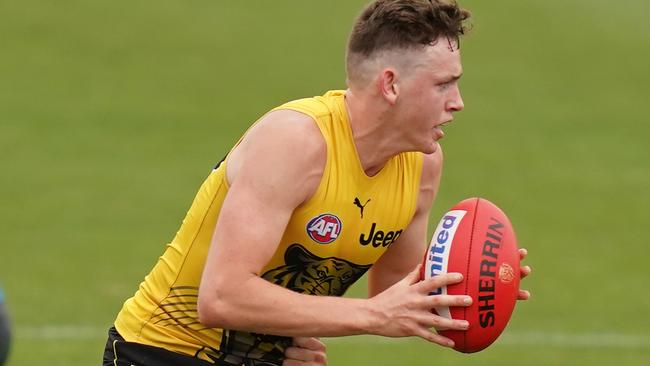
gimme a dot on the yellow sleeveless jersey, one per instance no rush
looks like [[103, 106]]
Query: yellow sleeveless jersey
[[329, 243]]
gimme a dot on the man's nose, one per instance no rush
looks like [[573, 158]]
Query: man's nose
[[456, 103]]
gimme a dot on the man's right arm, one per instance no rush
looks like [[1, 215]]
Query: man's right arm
[[275, 166], [278, 168]]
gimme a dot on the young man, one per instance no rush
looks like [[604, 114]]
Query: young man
[[316, 193]]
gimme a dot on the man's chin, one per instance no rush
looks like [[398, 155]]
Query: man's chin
[[431, 148]]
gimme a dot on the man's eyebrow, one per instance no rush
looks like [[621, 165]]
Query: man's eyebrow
[[453, 78]]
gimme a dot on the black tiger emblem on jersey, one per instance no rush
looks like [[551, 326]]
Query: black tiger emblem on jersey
[[307, 273]]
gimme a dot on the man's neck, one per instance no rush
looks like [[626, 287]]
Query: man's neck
[[371, 132]]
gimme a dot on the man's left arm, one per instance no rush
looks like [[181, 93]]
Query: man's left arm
[[408, 250]]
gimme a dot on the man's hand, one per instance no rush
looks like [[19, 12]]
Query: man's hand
[[405, 308], [525, 271], [306, 351]]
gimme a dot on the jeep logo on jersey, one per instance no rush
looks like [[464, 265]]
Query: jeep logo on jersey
[[379, 238], [324, 228]]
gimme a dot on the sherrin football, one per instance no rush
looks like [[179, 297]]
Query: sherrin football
[[475, 238]]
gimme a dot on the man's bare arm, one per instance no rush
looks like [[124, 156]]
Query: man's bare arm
[[276, 174], [409, 249]]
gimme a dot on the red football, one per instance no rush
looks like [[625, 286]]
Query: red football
[[475, 238]]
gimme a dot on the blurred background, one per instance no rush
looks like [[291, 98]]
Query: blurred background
[[113, 112]]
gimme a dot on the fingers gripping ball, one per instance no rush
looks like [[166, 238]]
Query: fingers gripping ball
[[475, 238]]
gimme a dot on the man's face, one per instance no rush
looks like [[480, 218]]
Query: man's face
[[429, 95]]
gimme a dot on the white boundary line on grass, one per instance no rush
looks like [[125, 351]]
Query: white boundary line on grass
[[548, 339], [60, 332]]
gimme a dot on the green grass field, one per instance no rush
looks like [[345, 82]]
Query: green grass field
[[112, 113]]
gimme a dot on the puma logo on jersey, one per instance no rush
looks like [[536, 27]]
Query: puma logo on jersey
[[379, 238], [324, 228], [357, 202]]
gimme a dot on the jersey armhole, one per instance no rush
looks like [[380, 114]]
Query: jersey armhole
[[224, 162]]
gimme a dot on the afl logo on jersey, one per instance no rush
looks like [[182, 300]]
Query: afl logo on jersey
[[324, 228]]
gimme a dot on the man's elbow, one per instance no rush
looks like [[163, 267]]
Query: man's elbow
[[213, 310]]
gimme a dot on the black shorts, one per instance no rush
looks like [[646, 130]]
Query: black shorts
[[119, 352]]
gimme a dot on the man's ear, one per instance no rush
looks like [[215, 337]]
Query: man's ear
[[387, 85]]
